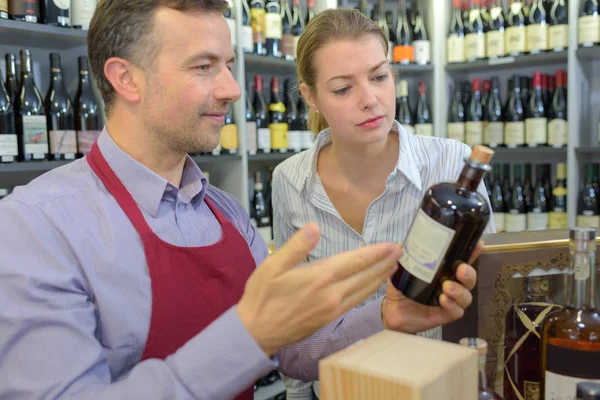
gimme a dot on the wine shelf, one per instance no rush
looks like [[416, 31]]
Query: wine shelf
[[530, 154], [589, 53], [412, 69], [27, 34], [272, 157], [268, 65], [593, 151], [528, 60]]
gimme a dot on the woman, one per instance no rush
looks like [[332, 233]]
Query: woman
[[364, 179]]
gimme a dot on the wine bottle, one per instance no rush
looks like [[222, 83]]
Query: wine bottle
[[558, 33], [389, 17], [277, 119], [287, 38], [557, 114], [514, 128], [536, 122], [247, 34], [4, 9], [545, 92], [493, 134], [423, 119], [523, 322], [295, 131], [515, 36], [506, 187], [56, 12], [546, 171], [557, 217], [455, 47], [475, 38], [308, 136], [483, 392], [537, 216], [297, 25], [589, 23], [528, 188], [456, 116], [525, 90], [24, 10], [82, 13], [273, 28], [551, 87], [485, 15], [571, 336], [31, 122], [404, 52], [9, 145], [474, 116], [310, 11], [259, 209], [516, 218], [497, 200], [448, 225], [60, 115], [588, 213], [257, 13], [381, 21], [422, 49], [12, 83], [403, 111], [537, 29], [485, 94], [229, 134], [87, 111], [251, 138], [230, 19], [262, 117], [495, 35]]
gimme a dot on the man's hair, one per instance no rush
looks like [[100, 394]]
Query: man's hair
[[123, 28]]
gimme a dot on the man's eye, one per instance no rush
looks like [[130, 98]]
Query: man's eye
[[203, 68]]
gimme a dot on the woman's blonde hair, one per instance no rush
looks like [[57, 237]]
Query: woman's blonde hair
[[327, 26]]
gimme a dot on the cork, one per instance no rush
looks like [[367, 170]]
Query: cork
[[482, 154]]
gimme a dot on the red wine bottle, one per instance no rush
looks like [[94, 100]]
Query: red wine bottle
[[9, 147], [448, 225], [87, 117]]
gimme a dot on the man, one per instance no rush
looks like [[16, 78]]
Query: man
[[125, 275]]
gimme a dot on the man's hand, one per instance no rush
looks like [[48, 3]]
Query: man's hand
[[404, 315], [285, 302]]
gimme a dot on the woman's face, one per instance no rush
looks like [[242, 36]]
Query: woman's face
[[355, 90]]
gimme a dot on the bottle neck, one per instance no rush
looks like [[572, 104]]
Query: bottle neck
[[11, 69], [26, 68], [471, 175], [581, 276]]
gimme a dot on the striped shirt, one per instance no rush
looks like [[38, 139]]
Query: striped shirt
[[75, 292], [299, 197]]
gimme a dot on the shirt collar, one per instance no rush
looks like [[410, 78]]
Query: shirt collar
[[408, 165], [145, 186]]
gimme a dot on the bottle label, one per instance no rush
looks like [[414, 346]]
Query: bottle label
[[231, 24], [422, 51], [558, 37], [4, 6], [273, 29], [515, 222], [515, 40], [229, 137], [279, 136], [514, 134], [456, 131], [404, 54], [535, 131], [83, 10], [455, 48], [264, 139], [86, 139], [247, 38], [308, 139], [591, 221], [475, 43], [566, 367], [62, 4], [35, 136], [589, 29], [9, 148], [63, 142], [287, 45], [474, 133], [295, 141], [499, 218], [258, 24], [425, 247], [296, 39], [251, 144], [557, 219], [537, 38], [537, 221], [424, 129], [495, 44], [558, 132], [494, 134]]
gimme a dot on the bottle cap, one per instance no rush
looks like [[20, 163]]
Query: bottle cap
[[258, 83], [544, 81], [422, 87], [561, 77], [487, 85], [482, 154], [275, 84], [537, 79], [476, 85], [588, 391], [583, 234], [456, 3], [475, 343]]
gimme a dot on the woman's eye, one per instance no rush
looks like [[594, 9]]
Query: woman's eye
[[341, 91], [380, 78]]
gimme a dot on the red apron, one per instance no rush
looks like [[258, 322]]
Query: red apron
[[191, 286]]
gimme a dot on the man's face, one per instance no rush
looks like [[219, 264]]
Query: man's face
[[190, 84]]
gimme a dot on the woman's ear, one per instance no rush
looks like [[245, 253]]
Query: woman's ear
[[308, 96]]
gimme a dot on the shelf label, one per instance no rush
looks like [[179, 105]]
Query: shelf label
[[455, 48]]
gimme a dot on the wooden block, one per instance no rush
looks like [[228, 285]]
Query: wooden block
[[397, 366]]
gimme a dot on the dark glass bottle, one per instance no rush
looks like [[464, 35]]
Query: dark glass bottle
[[87, 111], [60, 115], [423, 119], [260, 212], [421, 44], [537, 215], [287, 38], [404, 52], [484, 392], [588, 391], [24, 10], [528, 187], [453, 215], [9, 145], [247, 34], [475, 38], [588, 213], [294, 128], [497, 200], [273, 28], [537, 29], [516, 217], [474, 116], [277, 119], [495, 35], [307, 135], [12, 83], [493, 134], [455, 43], [297, 24], [506, 186], [514, 128], [56, 12], [558, 127], [558, 37], [251, 134], [261, 117], [257, 21], [536, 121], [557, 217], [456, 115], [404, 114], [589, 23], [230, 18], [516, 38]]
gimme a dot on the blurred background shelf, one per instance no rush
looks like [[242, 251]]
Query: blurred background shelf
[[589, 53], [528, 60], [27, 34]]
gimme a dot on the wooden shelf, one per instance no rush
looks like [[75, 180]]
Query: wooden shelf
[[589, 53], [527, 60], [28, 34]]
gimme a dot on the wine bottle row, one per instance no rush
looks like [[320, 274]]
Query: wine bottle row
[[534, 114], [420, 121], [56, 128], [64, 13]]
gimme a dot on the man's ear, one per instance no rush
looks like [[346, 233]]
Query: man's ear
[[308, 96], [125, 78]]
